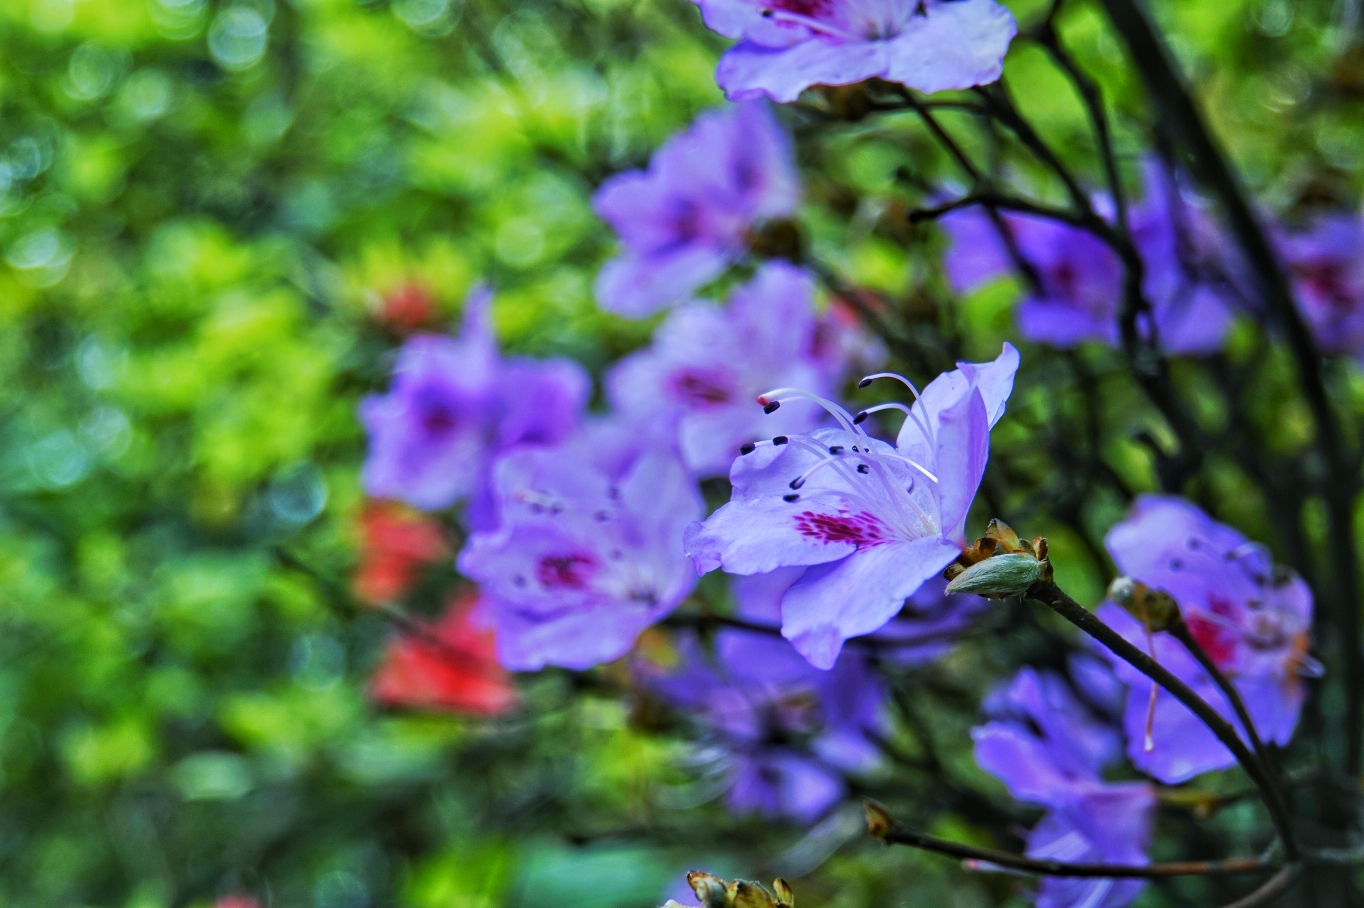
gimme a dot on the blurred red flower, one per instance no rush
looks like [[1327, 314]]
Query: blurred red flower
[[236, 900], [397, 542], [455, 668], [407, 307]]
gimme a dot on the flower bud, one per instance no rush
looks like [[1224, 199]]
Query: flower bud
[[1156, 609], [1002, 575], [714, 892]]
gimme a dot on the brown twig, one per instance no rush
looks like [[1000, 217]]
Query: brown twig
[[1048, 593], [883, 826]]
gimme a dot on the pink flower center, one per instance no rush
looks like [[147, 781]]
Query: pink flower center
[[701, 390], [564, 571], [862, 529]]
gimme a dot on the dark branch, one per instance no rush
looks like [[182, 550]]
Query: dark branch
[[1053, 596], [897, 834]]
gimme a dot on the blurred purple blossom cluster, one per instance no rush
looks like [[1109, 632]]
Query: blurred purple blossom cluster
[[586, 529]]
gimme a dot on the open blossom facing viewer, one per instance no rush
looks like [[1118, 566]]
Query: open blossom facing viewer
[[1081, 279], [454, 405], [1252, 619], [1327, 264], [708, 364], [785, 730], [686, 219], [785, 46], [589, 549], [1047, 748], [869, 522], [455, 670]]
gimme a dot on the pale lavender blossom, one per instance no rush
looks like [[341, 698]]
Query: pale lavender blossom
[[1049, 750], [785, 733], [925, 629], [1079, 291], [708, 364], [687, 218], [588, 552], [454, 405], [870, 522], [786, 46], [1327, 265], [1252, 618]]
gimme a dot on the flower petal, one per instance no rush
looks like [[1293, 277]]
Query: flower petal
[[857, 595], [953, 45], [749, 70], [638, 286]]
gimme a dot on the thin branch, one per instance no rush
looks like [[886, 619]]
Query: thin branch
[[1272, 889], [896, 833], [991, 199], [1053, 596], [1180, 115], [1093, 101]]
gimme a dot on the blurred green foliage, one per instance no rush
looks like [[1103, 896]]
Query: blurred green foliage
[[202, 206]]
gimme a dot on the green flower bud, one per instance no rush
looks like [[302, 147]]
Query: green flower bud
[[1002, 575]]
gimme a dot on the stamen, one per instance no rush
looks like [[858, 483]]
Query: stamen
[[789, 497], [747, 449], [929, 436], [772, 407], [863, 468], [782, 394], [862, 415], [809, 22], [895, 375], [780, 440]]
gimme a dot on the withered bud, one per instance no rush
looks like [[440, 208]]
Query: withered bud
[[1026, 561], [879, 820], [714, 892], [777, 239], [1156, 609]]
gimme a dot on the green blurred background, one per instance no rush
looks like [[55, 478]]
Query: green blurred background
[[203, 206]]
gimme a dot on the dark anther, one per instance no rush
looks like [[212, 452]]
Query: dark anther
[[863, 468], [860, 418], [789, 497], [767, 14], [748, 448], [772, 407], [780, 440], [864, 382], [797, 483], [836, 449]]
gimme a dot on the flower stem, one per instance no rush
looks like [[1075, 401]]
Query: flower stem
[[1048, 593]]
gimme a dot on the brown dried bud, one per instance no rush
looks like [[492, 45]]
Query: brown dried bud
[[714, 892], [1026, 565], [777, 239], [1156, 609], [879, 820]]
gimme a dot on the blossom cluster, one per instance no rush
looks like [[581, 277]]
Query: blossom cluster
[[582, 529]]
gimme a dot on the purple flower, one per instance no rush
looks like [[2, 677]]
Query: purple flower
[[707, 365], [1049, 750], [925, 629], [1327, 263], [589, 549], [1081, 278], [1186, 279], [684, 220], [869, 522], [453, 406], [785, 46], [1252, 619], [786, 731]]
